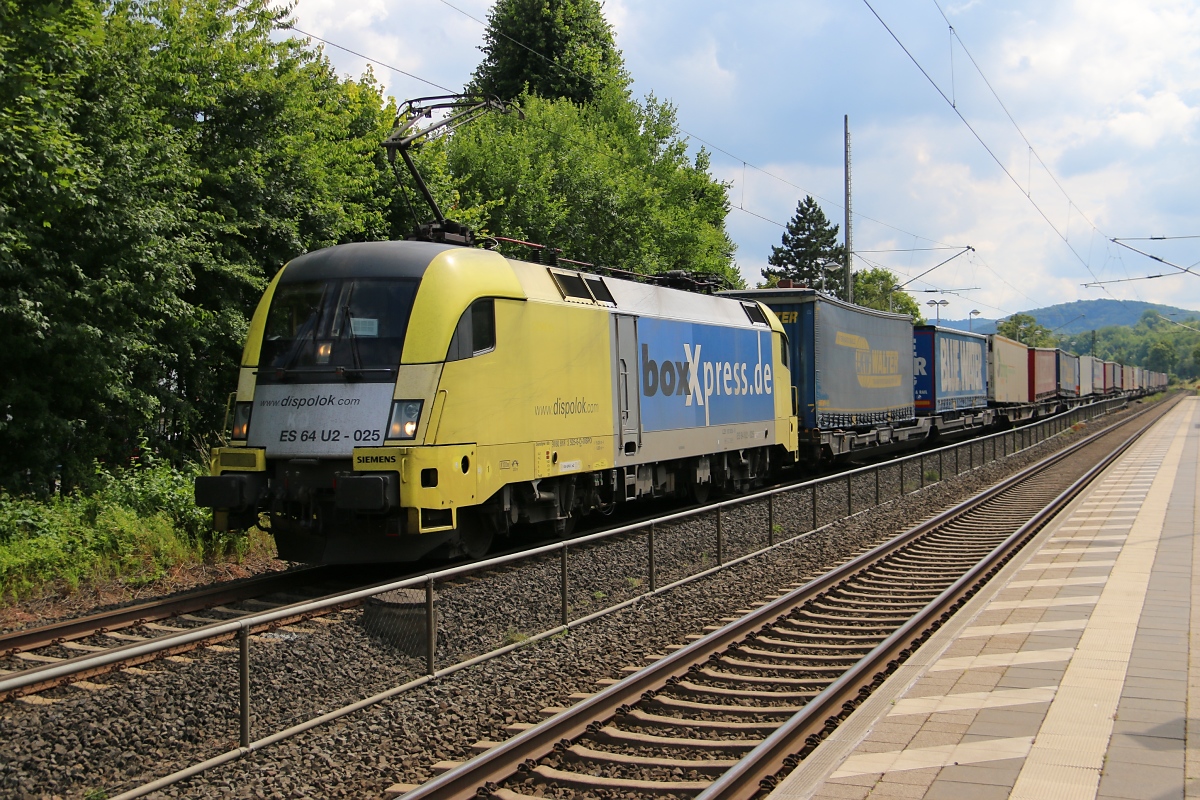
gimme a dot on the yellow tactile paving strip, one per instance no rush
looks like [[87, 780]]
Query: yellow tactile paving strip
[[1023, 700]]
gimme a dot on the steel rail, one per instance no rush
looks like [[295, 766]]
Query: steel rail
[[89, 665], [488, 769], [197, 600]]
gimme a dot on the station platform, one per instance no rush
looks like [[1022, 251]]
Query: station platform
[[1074, 674]]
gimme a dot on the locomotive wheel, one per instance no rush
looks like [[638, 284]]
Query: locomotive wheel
[[475, 533]]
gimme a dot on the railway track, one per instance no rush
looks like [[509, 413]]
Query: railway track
[[28, 651], [723, 716]]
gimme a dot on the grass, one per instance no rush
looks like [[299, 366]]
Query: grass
[[514, 636], [134, 524]]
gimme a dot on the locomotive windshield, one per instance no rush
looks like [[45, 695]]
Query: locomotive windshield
[[335, 329]]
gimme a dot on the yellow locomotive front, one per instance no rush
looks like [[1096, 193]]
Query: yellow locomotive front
[[339, 390]]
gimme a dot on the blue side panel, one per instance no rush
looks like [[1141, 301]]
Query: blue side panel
[[693, 375], [923, 371], [960, 372]]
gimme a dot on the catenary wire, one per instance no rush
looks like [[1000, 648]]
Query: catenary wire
[[985, 146], [1031, 149]]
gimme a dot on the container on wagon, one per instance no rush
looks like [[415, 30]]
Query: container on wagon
[[1043, 373], [949, 370], [1098, 375], [1008, 371], [1085, 375], [1068, 373], [851, 366], [1112, 377]]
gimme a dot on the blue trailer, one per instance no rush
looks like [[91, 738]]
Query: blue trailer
[[949, 370]]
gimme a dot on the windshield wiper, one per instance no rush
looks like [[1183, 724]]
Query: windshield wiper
[[350, 323]]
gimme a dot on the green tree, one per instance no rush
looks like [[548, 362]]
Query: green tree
[[556, 48], [609, 182], [1025, 329], [809, 252], [1161, 357], [876, 288], [171, 155]]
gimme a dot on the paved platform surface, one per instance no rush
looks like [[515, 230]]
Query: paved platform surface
[[1075, 674]]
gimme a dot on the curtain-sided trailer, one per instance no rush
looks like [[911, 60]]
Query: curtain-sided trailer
[[1067, 374], [1085, 375], [1043, 373], [1098, 377], [949, 370], [1008, 371], [852, 370], [1112, 377]]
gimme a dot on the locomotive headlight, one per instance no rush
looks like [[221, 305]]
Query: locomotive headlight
[[241, 420], [323, 351], [405, 415]]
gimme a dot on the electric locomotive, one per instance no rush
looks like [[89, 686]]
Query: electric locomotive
[[403, 398]]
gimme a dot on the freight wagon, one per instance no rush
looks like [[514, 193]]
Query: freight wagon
[[950, 378], [1008, 374]]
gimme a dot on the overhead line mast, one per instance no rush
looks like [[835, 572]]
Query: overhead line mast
[[849, 237]]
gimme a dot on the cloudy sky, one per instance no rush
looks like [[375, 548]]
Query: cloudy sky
[[1106, 94]]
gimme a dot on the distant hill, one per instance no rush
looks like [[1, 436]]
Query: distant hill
[[1079, 316]]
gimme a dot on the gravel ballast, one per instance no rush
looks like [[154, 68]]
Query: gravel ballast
[[175, 713]]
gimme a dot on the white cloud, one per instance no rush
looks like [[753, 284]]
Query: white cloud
[[706, 81], [1164, 115]]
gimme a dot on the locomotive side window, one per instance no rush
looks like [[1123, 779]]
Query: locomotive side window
[[754, 313], [599, 290], [571, 285], [483, 326], [475, 333]]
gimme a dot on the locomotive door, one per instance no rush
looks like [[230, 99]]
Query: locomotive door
[[629, 409]]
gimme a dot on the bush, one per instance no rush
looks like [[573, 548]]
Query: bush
[[133, 524]]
